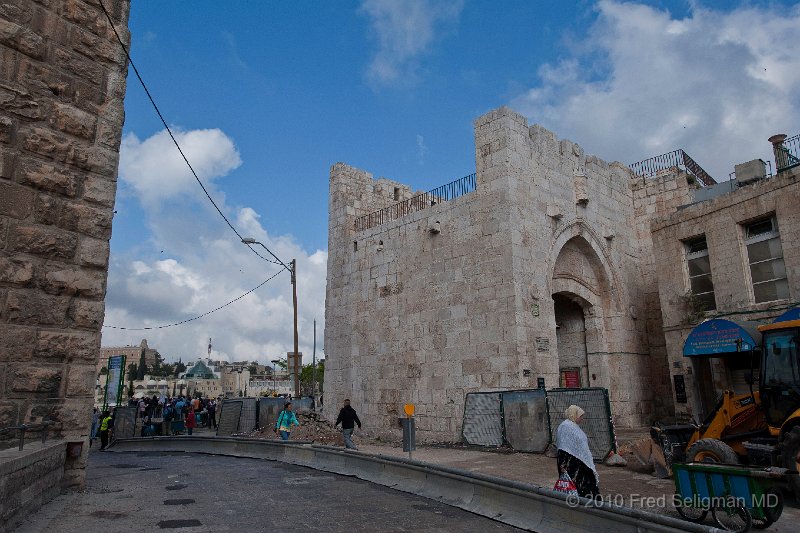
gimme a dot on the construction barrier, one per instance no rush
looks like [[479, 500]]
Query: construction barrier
[[527, 419], [597, 423]]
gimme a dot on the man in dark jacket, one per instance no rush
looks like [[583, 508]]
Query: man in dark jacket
[[347, 417]]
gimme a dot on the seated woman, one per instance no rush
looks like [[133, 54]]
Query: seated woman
[[574, 456]]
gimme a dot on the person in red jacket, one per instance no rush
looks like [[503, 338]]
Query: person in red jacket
[[191, 421]]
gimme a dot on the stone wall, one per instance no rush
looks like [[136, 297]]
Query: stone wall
[[720, 220], [28, 479], [424, 317], [62, 84]]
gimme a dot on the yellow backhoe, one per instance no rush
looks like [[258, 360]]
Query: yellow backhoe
[[758, 428]]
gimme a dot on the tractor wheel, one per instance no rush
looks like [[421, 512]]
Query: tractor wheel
[[790, 448], [711, 451]]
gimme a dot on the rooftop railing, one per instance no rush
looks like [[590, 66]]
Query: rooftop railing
[[450, 191], [787, 154], [677, 159]]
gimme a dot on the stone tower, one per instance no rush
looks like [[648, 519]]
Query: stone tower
[[545, 270]]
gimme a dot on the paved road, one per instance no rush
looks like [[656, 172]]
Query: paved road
[[131, 492]]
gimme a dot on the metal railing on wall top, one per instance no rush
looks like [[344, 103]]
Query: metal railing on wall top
[[788, 154], [443, 193], [676, 159]]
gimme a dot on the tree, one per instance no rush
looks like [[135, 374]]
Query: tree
[[103, 371], [142, 370], [307, 375], [131, 374], [179, 367]]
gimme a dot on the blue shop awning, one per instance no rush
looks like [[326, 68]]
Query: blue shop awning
[[791, 314], [720, 336]]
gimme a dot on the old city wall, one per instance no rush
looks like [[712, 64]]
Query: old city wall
[[414, 316], [720, 220], [423, 317], [62, 84]]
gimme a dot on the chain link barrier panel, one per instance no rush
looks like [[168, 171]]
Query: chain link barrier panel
[[483, 419], [597, 423], [527, 419]]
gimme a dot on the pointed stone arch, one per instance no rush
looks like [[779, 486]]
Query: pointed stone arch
[[585, 294]]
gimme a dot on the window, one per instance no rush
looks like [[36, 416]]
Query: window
[[700, 282], [396, 193], [765, 255]]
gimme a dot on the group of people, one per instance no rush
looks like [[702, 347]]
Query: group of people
[[192, 411]]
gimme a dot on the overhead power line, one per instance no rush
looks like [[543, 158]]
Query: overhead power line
[[204, 314], [174, 140]]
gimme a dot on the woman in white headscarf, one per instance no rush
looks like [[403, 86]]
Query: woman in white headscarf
[[574, 456]]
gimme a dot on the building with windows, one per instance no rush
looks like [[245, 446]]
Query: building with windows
[[132, 353], [729, 262], [550, 265]]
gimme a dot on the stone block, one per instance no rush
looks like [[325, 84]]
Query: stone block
[[28, 378], [32, 307], [74, 282], [67, 345], [15, 201], [16, 342], [81, 380], [74, 121], [22, 39], [42, 241], [47, 177], [93, 252], [99, 190], [80, 66], [87, 314], [15, 271], [18, 101]]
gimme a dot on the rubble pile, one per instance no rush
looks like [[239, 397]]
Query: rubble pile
[[311, 428]]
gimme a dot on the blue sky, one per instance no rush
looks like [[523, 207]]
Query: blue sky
[[266, 96]]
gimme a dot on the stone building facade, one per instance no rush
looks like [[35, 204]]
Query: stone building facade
[[729, 233], [62, 85], [545, 270], [132, 355]]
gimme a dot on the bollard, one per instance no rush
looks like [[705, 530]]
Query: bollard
[[409, 440], [22, 429]]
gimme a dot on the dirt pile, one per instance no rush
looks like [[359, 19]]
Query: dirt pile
[[311, 428]]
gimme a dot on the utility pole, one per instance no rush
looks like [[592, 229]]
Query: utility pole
[[297, 362], [314, 368]]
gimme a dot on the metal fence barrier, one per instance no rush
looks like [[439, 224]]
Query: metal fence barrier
[[527, 419], [597, 423], [525, 422], [483, 419]]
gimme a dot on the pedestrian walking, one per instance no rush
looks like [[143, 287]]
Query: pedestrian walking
[[285, 420], [348, 418], [574, 456], [191, 422], [104, 423], [95, 424], [212, 413]]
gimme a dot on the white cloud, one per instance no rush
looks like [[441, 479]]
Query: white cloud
[[404, 31], [156, 171], [422, 150], [642, 83], [203, 266]]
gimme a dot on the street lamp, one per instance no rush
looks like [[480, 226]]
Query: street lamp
[[293, 272], [274, 382]]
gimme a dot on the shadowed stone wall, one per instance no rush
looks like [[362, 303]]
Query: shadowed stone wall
[[62, 84]]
